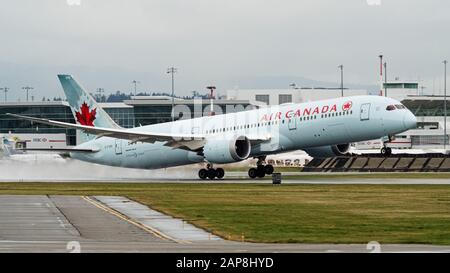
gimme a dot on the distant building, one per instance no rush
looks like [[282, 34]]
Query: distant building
[[400, 89], [293, 95], [36, 140], [55, 110]]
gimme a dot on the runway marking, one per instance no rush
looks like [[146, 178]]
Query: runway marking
[[149, 229]]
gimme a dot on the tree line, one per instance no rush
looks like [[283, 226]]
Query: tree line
[[119, 96]]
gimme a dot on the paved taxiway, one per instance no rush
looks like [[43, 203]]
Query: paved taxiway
[[64, 223]]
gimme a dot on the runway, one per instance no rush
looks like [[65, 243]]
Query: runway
[[78, 171], [74, 224], [240, 179]]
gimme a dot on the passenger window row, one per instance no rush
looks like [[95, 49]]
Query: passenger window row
[[275, 122], [337, 114]]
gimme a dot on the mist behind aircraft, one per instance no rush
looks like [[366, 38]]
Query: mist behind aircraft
[[74, 170]]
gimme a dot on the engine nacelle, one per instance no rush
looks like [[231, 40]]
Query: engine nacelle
[[328, 151], [221, 150]]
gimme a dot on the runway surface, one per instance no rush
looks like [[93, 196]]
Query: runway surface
[[73, 224], [78, 171], [244, 180]]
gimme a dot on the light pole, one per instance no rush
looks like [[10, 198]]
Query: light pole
[[342, 79], [211, 96], [135, 82], [445, 104], [5, 89], [172, 70], [27, 88]]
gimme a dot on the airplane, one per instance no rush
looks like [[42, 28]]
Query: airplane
[[321, 128]]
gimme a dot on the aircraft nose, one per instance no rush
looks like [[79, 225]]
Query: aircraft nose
[[409, 120]]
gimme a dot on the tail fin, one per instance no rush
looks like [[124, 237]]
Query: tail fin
[[84, 108]]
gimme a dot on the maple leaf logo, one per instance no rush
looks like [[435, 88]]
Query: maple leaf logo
[[85, 116], [347, 106]]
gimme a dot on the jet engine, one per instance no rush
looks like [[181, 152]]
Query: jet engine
[[328, 151], [223, 150]]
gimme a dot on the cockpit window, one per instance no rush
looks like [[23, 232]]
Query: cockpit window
[[400, 106], [390, 107]]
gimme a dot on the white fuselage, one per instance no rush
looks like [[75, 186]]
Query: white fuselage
[[286, 127]]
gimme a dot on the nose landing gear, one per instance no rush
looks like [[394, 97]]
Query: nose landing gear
[[261, 170], [386, 151], [211, 173]]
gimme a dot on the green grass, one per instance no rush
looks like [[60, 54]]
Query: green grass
[[288, 213]]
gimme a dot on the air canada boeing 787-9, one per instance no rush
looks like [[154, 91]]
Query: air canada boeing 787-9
[[321, 128]]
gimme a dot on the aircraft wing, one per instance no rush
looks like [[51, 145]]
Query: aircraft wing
[[127, 134]]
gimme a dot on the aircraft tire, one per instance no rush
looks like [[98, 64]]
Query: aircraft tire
[[260, 171], [212, 173], [386, 151], [252, 173], [261, 174], [268, 169], [220, 173], [203, 174], [389, 151]]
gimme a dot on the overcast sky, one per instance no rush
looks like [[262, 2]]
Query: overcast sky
[[228, 43]]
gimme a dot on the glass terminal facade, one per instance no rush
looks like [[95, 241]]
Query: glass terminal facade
[[426, 108], [58, 111]]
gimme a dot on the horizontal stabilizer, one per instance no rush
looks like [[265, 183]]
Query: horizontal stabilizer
[[58, 150]]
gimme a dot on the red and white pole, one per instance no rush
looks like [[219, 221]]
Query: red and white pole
[[211, 96]]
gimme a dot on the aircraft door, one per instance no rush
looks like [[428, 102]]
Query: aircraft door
[[118, 146], [365, 111], [292, 124]]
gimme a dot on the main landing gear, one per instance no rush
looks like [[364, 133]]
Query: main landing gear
[[211, 173], [261, 170]]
